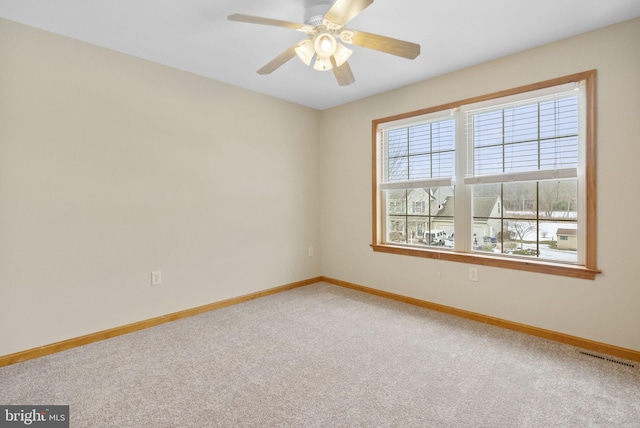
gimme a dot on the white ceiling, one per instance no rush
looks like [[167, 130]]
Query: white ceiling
[[195, 36]]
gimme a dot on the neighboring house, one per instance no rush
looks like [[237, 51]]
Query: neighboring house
[[486, 214], [567, 239], [434, 211]]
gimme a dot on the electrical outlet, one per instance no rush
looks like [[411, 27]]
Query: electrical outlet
[[156, 277], [473, 274], [310, 251]]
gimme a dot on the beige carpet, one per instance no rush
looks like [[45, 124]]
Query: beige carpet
[[324, 356]]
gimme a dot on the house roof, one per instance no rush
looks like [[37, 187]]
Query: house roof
[[482, 206], [567, 232]]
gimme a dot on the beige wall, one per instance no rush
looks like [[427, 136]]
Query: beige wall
[[112, 167], [604, 310]]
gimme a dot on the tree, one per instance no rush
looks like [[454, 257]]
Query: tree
[[522, 229], [557, 196]]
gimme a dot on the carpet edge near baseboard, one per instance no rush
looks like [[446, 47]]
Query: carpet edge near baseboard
[[578, 342], [64, 345]]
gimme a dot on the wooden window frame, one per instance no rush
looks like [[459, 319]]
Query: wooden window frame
[[586, 271]]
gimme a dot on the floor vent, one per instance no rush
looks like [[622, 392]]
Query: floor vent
[[611, 360]]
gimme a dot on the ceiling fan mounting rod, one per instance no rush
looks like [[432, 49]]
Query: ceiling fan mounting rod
[[316, 10]]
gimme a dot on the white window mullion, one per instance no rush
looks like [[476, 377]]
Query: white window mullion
[[463, 205]]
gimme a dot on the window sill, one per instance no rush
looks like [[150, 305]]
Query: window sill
[[573, 271]]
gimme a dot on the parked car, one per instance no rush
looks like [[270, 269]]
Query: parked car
[[435, 237]]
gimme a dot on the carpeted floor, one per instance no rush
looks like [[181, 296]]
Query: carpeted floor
[[325, 356]]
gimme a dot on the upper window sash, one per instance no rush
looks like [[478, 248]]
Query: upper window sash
[[531, 136], [418, 153]]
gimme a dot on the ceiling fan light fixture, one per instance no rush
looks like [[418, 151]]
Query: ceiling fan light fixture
[[323, 63], [325, 45], [342, 54], [305, 51]]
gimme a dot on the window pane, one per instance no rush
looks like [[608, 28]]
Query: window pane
[[487, 212], [419, 167], [420, 152], [524, 233], [559, 117], [418, 201], [443, 164], [559, 153], [559, 199], [417, 226], [442, 211], [485, 234], [398, 169], [396, 229], [521, 157], [419, 139], [487, 160], [487, 190], [397, 142], [521, 123], [520, 200], [396, 201], [420, 216], [487, 129], [487, 209], [443, 136], [517, 229], [559, 241], [442, 203]]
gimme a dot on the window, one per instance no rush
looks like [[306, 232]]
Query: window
[[498, 180], [418, 159]]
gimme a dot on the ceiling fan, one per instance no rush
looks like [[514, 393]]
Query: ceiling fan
[[324, 26]]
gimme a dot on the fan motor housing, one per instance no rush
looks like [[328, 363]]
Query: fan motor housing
[[316, 10]]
